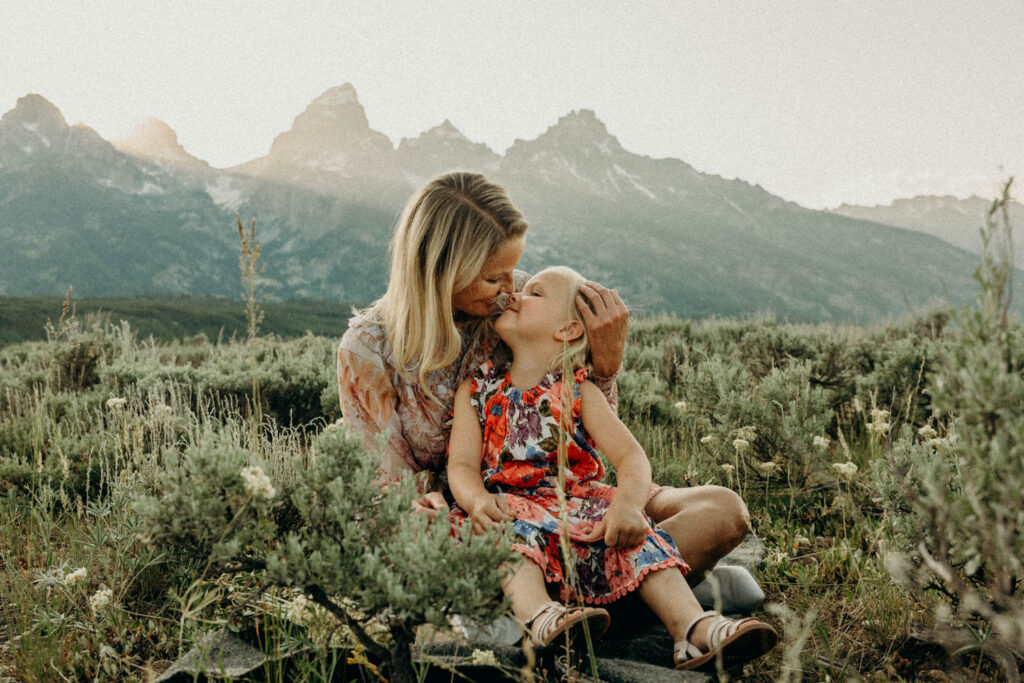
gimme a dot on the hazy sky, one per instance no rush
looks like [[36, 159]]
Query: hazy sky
[[819, 101]]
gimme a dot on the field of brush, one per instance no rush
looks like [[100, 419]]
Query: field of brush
[[803, 421]]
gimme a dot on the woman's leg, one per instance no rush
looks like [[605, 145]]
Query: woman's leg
[[706, 522]]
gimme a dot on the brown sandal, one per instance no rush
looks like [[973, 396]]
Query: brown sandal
[[738, 642], [543, 628]]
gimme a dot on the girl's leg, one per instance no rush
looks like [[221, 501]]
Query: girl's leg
[[736, 642], [526, 589], [706, 522], [545, 619], [669, 596]]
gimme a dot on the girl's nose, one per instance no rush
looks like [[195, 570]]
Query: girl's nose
[[506, 285], [513, 300]]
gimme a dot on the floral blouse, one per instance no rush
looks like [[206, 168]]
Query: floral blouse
[[377, 399]]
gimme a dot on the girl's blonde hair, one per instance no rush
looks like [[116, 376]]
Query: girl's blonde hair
[[447, 231], [575, 353]]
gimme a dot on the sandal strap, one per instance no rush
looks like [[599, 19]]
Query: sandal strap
[[545, 619], [684, 649], [723, 627]]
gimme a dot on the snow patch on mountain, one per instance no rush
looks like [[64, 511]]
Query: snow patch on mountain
[[224, 194]]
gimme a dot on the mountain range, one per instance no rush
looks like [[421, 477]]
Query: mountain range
[[141, 215]]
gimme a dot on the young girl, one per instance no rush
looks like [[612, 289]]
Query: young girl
[[503, 466]]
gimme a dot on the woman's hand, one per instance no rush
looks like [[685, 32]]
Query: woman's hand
[[489, 511], [621, 527], [607, 321], [430, 504]]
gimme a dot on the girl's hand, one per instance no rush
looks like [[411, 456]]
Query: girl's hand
[[430, 504], [607, 321], [621, 527], [489, 511]]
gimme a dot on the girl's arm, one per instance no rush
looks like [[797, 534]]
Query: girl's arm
[[623, 525], [465, 451]]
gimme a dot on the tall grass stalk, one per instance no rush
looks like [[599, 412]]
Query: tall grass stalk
[[248, 264]]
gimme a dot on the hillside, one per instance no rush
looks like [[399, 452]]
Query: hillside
[[144, 216]]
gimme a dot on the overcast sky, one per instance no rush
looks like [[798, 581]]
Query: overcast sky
[[821, 102]]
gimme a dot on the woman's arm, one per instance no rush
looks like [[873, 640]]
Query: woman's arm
[[465, 451], [368, 404], [623, 525], [607, 321]]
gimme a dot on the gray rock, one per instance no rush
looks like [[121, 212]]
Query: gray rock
[[749, 553], [220, 654]]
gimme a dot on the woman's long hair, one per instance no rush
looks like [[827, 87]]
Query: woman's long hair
[[448, 229]]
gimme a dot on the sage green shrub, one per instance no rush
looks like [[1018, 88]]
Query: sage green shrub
[[958, 517]]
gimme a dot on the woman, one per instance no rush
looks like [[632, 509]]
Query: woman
[[453, 259]]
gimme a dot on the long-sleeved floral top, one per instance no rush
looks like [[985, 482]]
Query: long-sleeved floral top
[[376, 398]]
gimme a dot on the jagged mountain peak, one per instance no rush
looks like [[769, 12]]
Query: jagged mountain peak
[[34, 110], [444, 148], [582, 123], [338, 96], [155, 140], [579, 130], [447, 130], [333, 122]]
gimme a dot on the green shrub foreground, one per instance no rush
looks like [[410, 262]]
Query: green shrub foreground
[[147, 502]]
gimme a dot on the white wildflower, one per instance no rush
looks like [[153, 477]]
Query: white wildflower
[[846, 470], [821, 443], [709, 440], [800, 540], [938, 443], [100, 599], [879, 428], [768, 467], [858, 407], [927, 432], [116, 403], [681, 406], [298, 610], [107, 651], [728, 469], [76, 576], [741, 445], [483, 658], [879, 415], [257, 484]]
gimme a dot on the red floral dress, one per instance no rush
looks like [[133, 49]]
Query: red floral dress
[[520, 459]]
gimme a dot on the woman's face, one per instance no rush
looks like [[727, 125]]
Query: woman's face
[[480, 297]]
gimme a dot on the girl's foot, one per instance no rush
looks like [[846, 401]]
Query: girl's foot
[[553, 619], [737, 642]]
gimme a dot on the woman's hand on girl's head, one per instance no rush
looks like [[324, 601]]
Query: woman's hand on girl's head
[[607, 321], [489, 511], [430, 504]]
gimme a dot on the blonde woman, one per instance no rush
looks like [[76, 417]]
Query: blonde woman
[[453, 264]]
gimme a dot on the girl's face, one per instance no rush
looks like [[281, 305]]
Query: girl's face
[[480, 297], [540, 311]]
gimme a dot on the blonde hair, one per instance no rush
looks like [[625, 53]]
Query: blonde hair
[[447, 231], [575, 353]]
